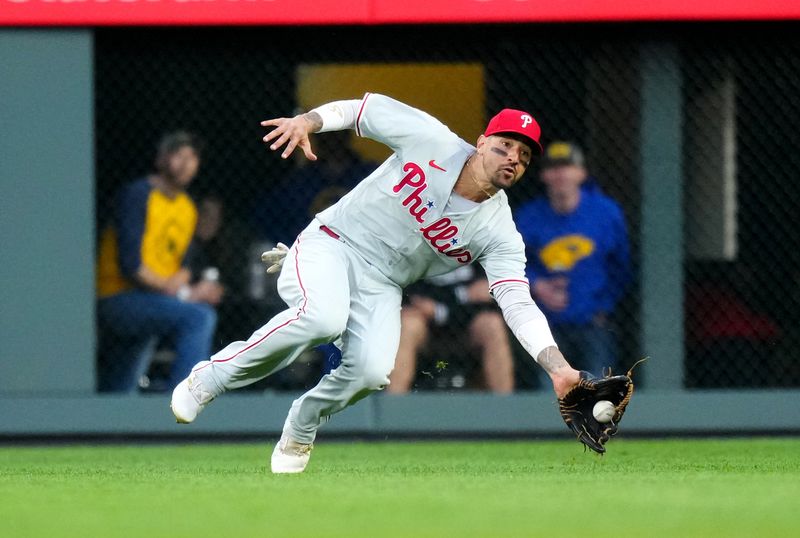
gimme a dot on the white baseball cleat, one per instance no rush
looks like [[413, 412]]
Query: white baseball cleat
[[188, 399], [290, 456]]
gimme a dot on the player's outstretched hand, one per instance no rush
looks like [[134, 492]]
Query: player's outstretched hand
[[290, 132], [577, 406], [274, 258]]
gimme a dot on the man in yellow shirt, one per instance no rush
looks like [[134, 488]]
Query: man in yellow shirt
[[143, 285]]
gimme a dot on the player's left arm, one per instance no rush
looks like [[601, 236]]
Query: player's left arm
[[531, 329], [504, 263], [577, 391]]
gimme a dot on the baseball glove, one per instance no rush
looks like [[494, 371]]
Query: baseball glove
[[576, 407]]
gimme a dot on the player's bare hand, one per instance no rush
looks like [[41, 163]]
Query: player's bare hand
[[290, 133]]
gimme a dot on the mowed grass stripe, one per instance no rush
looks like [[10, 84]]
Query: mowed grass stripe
[[731, 487]]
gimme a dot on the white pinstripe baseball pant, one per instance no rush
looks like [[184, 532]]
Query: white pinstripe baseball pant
[[330, 291]]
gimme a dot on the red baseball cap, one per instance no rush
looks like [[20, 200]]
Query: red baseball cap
[[509, 120]]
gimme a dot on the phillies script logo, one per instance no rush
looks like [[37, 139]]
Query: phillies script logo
[[440, 234]]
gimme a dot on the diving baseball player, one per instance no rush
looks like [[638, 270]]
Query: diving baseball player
[[436, 204]]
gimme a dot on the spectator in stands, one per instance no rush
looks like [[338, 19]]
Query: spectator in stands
[[578, 257], [455, 306], [144, 287]]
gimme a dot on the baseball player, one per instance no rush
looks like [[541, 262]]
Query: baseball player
[[436, 204]]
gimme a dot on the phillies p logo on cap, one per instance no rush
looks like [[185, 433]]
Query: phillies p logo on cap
[[520, 122], [526, 120]]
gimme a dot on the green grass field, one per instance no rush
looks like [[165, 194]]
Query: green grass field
[[673, 488]]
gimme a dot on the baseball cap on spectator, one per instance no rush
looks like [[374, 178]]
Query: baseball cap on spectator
[[520, 122], [562, 153]]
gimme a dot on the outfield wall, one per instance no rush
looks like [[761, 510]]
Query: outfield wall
[[438, 414], [47, 261]]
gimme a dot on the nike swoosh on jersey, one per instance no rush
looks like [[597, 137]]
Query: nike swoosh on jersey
[[432, 164]]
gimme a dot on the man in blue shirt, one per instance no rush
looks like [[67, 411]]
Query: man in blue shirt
[[578, 257]]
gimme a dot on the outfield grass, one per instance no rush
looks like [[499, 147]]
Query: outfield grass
[[674, 488]]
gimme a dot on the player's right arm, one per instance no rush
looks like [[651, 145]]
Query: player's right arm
[[375, 116], [293, 132]]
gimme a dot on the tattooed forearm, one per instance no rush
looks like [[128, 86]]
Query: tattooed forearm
[[315, 120], [551, 359]]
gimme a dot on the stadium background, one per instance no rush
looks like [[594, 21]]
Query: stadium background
[[691, 125]]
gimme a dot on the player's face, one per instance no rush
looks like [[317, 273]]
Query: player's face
[[182, 165], [505, 159]]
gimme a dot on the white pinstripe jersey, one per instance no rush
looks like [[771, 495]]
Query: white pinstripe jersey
[[395, 218]]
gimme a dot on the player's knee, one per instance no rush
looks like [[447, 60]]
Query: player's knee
[[376, 377], [324, 325]]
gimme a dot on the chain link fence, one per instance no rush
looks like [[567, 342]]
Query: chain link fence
[[741, 117]]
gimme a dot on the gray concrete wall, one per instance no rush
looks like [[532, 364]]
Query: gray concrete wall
[[661, 270], [46, 212], [663, 412]]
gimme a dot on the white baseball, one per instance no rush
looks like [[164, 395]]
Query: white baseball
[[603, 411]]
